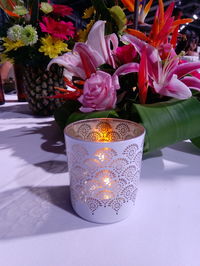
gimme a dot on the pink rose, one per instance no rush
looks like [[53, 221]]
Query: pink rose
[[99, 93]]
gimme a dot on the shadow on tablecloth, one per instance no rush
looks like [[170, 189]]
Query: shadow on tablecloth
[[16, 110], [31, 211], [40, 144], [176, 161]]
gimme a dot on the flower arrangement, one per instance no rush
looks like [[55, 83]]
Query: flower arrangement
[[136, 76], [35, 32]]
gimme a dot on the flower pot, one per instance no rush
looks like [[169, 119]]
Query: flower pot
[[38, 85]]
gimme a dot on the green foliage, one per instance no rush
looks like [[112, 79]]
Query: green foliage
[[168, 122], [103, 13], [196, 141], [69, 113], [119, 16], [165, 122], [81, 116], [61, 114]]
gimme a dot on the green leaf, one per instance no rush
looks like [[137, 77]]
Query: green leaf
[[69, 112], [76, 116], [167, 122], [119, 16], [104, 14], [196, 142]]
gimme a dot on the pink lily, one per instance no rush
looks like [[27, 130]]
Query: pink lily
[[86, 57], [172, 80], [168, 79]]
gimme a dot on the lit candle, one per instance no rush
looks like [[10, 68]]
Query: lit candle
[[103, 164]]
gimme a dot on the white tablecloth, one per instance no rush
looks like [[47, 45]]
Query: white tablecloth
[[39, 228]]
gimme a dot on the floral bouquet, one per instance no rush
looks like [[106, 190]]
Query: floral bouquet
[[136, 76], [35, 33]]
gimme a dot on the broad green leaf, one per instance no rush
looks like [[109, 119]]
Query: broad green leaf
[[196, 141], [168, 122]]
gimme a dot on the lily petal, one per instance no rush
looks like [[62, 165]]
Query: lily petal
[[123, 70], [192, 82], [89, 57], [127, 68], [154, 63], [186, 68], [111, 39], [72, 64], [174, 88], [96, 39], [138, 44]]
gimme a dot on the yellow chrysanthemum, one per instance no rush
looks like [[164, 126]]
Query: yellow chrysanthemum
[[11, 45], [82, 34], [88, 12], [52, 47]]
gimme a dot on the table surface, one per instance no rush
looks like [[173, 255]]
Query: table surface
[[38, 226]]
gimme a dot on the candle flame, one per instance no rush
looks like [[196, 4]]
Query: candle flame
[[107, 181], [106, 197], [101, 156]]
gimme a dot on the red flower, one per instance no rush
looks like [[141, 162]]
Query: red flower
[[126, 53], [58, 29], [62, 10]]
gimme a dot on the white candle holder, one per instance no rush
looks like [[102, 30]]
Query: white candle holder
[[104, 160]]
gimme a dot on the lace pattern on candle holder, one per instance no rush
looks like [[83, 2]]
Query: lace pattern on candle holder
[[107, 179], [104, 131]]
